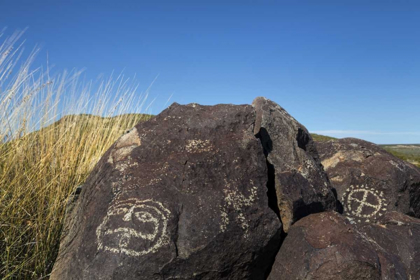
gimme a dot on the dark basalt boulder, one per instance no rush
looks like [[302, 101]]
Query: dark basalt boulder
[[300, 183], [181, 196], [197, 192], [327, 246], [398, 235], [370, 181]]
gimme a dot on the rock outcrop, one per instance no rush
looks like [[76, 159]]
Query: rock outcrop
[[191, 194], [370, 181], [234, 192], [301, 184], [182, 196], [327, 246], [397, 235]]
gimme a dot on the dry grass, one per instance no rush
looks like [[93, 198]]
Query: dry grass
[[39, 170]]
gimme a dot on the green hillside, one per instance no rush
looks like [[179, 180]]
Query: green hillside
[[322, 138], [410, 153]]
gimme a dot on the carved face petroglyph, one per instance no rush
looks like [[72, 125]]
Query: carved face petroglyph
[[134, 227], [362, 204]]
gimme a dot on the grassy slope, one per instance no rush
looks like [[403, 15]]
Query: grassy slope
[[410, 153], [38, 172], [322, 138]]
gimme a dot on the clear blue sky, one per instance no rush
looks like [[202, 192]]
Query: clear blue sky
[[342, 68]]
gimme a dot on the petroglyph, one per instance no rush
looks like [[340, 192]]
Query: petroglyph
[[363, 204], [134, 227], [238, 202], [198, 146], [399, 166], [337, 179]]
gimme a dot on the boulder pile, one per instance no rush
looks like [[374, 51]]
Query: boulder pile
[[240, 192], [360, 170]]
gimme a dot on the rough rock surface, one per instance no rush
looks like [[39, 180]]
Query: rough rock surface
[[301, 184], [370, 181], [205, 192], [182, 196], [398, 235], [327, 246]]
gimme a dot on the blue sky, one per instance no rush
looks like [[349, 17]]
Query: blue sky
[[341, 68]]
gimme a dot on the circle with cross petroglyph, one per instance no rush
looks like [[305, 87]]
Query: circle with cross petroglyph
[[363, 204]]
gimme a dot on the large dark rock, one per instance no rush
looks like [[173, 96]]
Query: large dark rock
[[397, 235], [182, 196], [370, 181], [300, 183], [327, 246]]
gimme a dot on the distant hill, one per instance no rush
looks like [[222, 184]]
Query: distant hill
[[322, 138], [410, 153], [88, 119], [77, 128], [86, 122]]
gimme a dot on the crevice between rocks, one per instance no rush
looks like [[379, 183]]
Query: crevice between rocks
[[176, 237], [283, 236], [302, 139], [267, 145], [271, 189]]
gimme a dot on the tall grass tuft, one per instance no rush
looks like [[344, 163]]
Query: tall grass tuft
[[43, 160]]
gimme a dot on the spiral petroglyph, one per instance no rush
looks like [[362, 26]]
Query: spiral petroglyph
[[134, 227], [363, 204]]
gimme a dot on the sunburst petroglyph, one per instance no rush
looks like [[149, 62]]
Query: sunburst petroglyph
[[363, 204], [134, 227]]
